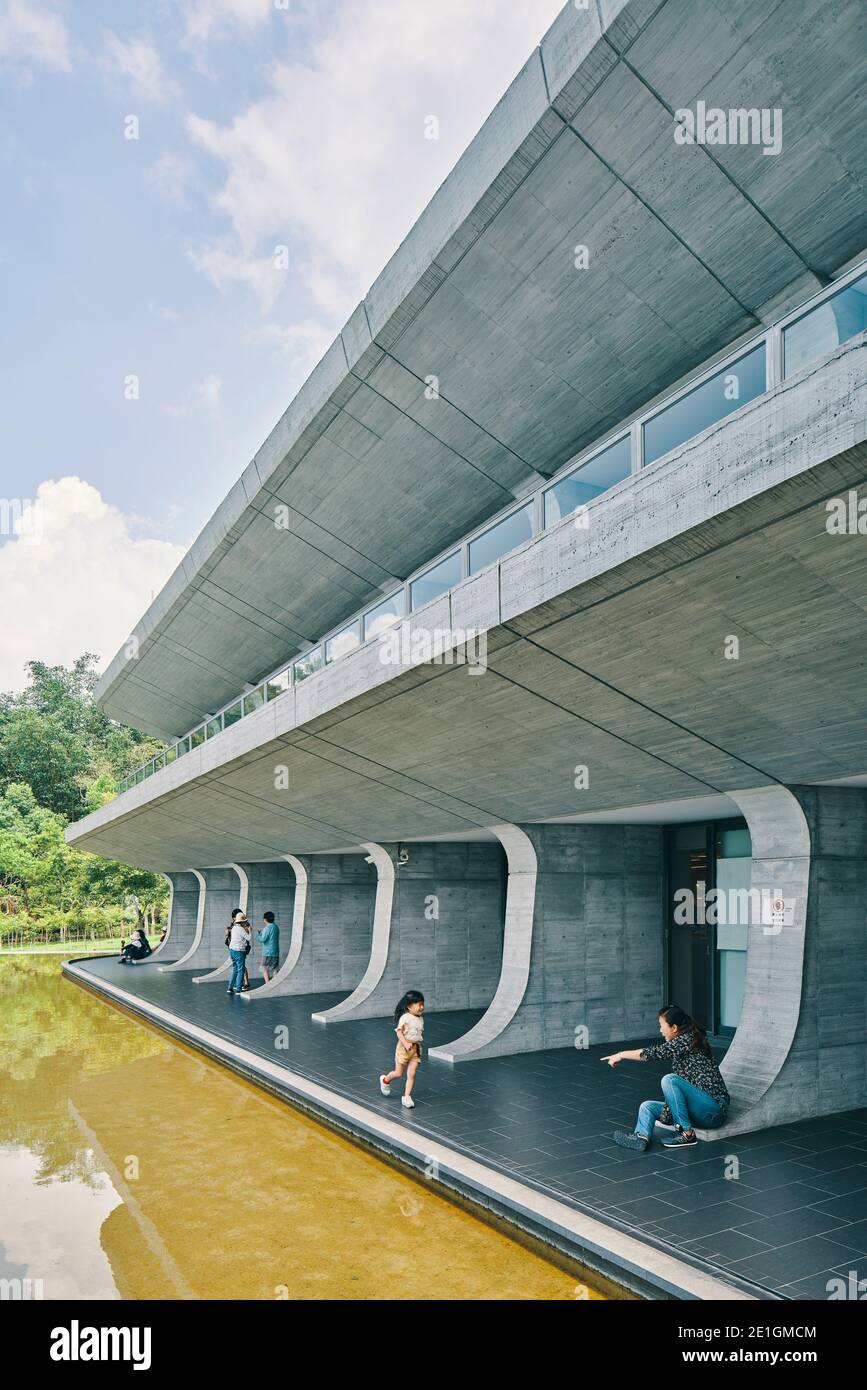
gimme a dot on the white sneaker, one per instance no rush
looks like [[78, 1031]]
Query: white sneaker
[[384, 1086], [408, 1102]]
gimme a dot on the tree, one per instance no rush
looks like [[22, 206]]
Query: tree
[[54, 738], [60, 757]]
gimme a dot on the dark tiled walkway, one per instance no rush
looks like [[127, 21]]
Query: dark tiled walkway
[[794, 1216]]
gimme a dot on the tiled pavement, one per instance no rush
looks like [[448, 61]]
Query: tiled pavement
[[794, 1216]]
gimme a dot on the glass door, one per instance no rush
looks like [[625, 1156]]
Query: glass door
[[709, 866], [689, 947]]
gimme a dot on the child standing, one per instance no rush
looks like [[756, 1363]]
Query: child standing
[[410, 1032]]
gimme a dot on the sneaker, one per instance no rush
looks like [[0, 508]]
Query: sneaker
[[630, 1141], [666, 1119], [680, 1141], [384, 1086], [230, 991], [407, 1102]]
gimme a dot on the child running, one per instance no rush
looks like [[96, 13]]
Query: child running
[[410, 1031]]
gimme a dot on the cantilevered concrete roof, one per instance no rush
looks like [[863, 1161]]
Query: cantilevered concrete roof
[[607, 649], [535, 358]]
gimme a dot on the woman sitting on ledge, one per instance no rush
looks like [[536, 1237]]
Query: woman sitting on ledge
[[694, 1091], [138, 947]]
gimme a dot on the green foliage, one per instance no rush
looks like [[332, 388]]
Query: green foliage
[[60, 758], [54, 738]]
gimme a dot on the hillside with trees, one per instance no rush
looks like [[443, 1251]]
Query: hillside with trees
[[60, 757]]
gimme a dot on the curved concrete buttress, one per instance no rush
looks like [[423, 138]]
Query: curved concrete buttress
[[771, 1009], [517, 942], [224, 969], [277, 985], [382, 911], [180, 963], [161, 948], [800, 1049]]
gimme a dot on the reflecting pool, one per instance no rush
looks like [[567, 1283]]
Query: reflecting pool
[[131, 1167]]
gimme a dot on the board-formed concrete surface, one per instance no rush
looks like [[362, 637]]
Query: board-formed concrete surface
[[582, 948], [789, 1215], [801, 1042], [535, 359], [438, 924]]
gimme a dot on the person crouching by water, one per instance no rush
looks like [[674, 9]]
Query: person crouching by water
[[410, 1032], [269, 936], [137, 948], [239, 944], [694, 1091]]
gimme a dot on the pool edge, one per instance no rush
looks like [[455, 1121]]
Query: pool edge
[[627, 1260]]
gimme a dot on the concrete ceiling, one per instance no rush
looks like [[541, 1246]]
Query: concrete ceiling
[[634, 685], [535, 359]]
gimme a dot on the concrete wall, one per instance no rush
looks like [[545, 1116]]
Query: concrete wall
[[801, 1044], [271, 889], [329, 946], [183, 915], [222, 893], [583, 944], [438, 928]]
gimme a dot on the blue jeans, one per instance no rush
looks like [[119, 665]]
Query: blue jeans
[[689, 1106], [237, 977]]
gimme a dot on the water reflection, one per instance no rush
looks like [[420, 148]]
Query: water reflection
[[132, 1168]]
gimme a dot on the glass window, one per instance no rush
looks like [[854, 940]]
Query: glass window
[[735, 912], [827, 326], [717, 397], [277, 685], [596, 476], [254, 699], [307, 665], [343, 642], [512, 531], [435, 581], [171, 753], [183, 746], [232, 714], [214, 727], [197, 737], [383, 616]]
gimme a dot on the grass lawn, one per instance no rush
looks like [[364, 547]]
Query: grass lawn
[[108, 946]]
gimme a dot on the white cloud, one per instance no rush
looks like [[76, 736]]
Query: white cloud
[[138, 63], [207, 392], [206, 19], [76, 578], [171, 175], [334, 158], [202, 395], [31, 35], [227, 266], [164, 311], [301, 344]]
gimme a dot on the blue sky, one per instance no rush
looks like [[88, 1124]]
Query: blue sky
[[154, 257]]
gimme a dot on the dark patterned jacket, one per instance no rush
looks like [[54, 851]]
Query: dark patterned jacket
[[690, 1063]]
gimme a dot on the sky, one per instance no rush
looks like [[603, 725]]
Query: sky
[[196, 194]]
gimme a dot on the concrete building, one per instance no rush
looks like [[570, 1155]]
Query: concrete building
[[524, 663]]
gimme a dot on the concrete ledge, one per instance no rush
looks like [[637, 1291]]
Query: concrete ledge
[[639, 1266]]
